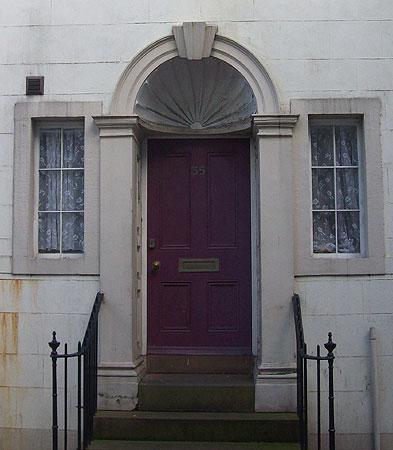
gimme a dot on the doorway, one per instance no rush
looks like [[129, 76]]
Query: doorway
[[199, 247]]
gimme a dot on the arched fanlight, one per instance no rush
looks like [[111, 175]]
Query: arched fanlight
[[206, 94]]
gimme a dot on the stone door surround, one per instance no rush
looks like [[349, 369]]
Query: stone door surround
[[122, 140]]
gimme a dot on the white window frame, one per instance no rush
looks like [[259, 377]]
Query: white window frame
[[345, 121], [366, 112], [52, 124], [29, 117]]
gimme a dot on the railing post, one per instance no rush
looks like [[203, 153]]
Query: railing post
[[318, 398], [79, 406], [330, 346], [65, 396], [86, 396], [87, 400], [300, 402], [305, 400], [54, 346]]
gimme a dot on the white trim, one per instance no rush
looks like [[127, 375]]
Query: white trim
[[62, 125], [355, 121], [361, 209]]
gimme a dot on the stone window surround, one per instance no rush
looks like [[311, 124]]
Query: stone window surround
[[367, 112], [25, 259]]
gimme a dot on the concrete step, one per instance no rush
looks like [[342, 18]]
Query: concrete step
[[196, 426], [197, 392], [219, 364], [165, 445]]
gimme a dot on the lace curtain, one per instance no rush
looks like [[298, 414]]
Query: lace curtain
[[335, 189], [61, 191]]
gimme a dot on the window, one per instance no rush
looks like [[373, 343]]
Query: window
[[337, 175], [56, 188], [336, 212], [61, 189]]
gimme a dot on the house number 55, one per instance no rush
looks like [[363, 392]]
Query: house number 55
[[198, 170]]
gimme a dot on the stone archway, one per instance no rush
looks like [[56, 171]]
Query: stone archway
[[122, 136], [223, 48]]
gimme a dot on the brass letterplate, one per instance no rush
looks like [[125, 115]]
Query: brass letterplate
[[199, 265]]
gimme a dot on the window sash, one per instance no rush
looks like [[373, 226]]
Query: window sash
[[66, 218], [339, 211]]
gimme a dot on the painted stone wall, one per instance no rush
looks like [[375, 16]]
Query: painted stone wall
[[349, 307], [310, 49], [31, 308]]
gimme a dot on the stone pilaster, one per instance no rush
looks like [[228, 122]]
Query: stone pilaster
[[120, 362], [275, 378]]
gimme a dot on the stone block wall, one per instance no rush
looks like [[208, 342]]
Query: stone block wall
[[31, 308], [349, 307], [310, 49]]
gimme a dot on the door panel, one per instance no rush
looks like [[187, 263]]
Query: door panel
[[175, 200], [199, 301], [175, 307], [223, 306], [222, 200]]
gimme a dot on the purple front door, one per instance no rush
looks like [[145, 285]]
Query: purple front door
[[199, 259]]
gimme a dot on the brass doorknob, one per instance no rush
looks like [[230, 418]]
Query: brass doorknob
[[156, 265]]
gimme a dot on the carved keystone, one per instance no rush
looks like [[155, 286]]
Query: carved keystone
[[194, 40]]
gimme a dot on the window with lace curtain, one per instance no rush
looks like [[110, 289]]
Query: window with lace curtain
[[336, 188], [56, 188], [61, 188]]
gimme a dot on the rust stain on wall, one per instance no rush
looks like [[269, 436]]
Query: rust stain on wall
[[12, 292], [9, 323], [9, 369], [16, 296], [5, 395], [16, 287]]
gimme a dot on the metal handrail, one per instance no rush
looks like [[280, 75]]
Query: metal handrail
[[302, 380], [87, 355]]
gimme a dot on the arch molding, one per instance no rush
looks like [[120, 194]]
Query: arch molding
[[124, 98]]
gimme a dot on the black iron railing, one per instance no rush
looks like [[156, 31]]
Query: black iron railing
[[86, 392], [302, 359]]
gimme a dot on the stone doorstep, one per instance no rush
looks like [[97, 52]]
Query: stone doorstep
[[207, 364], [196, 426], [197, 392], [197, 379], [166, 445]]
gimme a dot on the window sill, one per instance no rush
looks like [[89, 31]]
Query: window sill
[[59, 257], [333, 265], [337, 255]]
